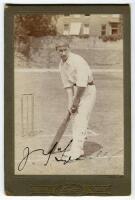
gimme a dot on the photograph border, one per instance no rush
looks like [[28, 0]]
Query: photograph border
[[65, 185]]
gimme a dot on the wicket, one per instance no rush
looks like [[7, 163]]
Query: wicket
[[27, 114]]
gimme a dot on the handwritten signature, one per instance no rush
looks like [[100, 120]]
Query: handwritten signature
[[27, 153]]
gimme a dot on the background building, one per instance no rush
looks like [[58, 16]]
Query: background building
[[90, 25]]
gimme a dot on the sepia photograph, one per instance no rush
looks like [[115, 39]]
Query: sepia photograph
[[68, 94]]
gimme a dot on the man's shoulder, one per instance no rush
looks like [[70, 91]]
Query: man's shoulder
[[76, 57]]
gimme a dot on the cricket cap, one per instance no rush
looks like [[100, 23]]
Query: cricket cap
[[62, 43]]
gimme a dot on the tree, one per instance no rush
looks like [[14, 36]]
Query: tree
[[35, 25]]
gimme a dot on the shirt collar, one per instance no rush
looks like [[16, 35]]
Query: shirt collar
[[68, 61]]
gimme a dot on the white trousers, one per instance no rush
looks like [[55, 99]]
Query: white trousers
[[81, 119]]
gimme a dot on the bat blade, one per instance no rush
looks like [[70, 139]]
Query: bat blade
[[59, 133]]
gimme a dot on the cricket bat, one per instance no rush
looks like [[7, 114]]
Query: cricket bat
[[59, 133]]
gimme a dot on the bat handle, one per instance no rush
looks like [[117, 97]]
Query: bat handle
[[69, 114]]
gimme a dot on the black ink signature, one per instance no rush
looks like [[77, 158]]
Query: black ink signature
[[27, 153], [61, 159]]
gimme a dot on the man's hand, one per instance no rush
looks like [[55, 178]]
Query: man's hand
[[73, 109], [73, 104]]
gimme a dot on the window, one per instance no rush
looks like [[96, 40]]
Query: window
[[86, 25], [103, 29], [115, 28], [66, 29], [75, 28], [103, 26], [86, 29], [114, 31]]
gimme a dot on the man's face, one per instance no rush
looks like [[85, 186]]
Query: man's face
[[63, 52]]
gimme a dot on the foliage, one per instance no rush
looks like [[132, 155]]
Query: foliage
[[27, 26], [34, 25], [114, 37]]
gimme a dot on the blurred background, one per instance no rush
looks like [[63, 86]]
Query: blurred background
[[98, 38]]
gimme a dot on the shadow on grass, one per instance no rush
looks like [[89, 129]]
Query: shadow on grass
[[91, 147]]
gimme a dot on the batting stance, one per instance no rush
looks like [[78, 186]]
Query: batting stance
[[78, 82]]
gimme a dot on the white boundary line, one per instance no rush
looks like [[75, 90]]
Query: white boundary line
[[87, 157], [66, 135], [106, 157], [39, 134], [57, 70]]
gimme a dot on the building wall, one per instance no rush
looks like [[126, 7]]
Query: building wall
[[69, 19], [95, 22]]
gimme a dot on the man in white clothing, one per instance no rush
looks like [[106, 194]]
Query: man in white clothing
[[78, 82]]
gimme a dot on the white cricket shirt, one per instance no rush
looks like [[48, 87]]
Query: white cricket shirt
[[75, 71]]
